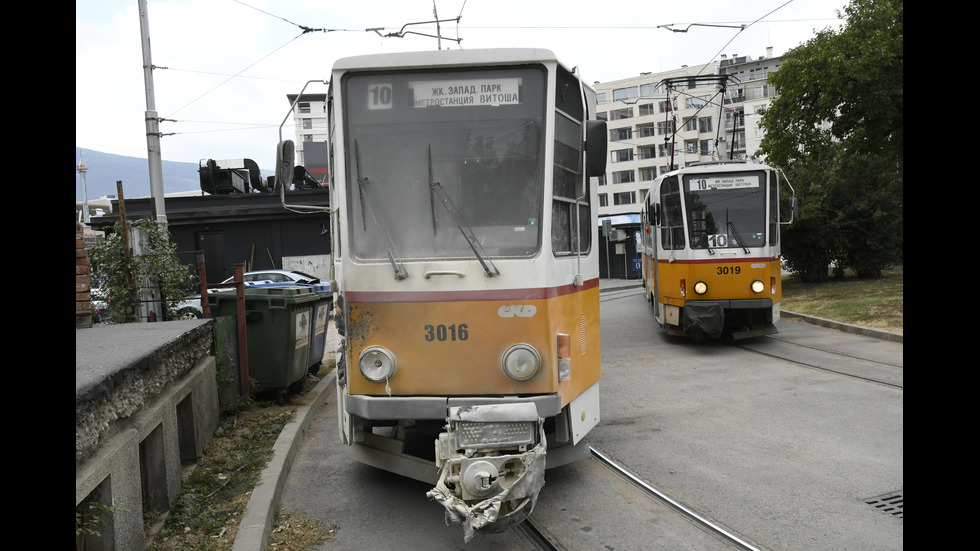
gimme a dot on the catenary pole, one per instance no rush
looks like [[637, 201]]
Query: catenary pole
[[153, 155]]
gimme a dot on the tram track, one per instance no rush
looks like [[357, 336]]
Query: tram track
[[835, 352], [853, 359], [537, 536], [864, 369], [697, 519]]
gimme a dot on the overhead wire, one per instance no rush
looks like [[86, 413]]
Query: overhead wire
[[236, 75], [305, 30], [401, 33], [744, 27]]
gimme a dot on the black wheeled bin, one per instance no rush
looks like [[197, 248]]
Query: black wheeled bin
[[279, 321]]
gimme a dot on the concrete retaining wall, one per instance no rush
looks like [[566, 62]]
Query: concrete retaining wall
[[146, 402]]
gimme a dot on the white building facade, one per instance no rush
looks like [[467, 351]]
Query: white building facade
[[312, 132], [714, 109]]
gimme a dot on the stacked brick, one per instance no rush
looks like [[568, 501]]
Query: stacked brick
[[83, 281]]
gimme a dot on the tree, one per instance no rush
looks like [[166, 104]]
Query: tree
[[155, 272], [837, 129]]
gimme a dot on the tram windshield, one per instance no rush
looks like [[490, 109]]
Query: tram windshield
[[436, 159], [726, 210]]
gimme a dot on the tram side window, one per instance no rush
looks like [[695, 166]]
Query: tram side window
[[646, 217], [571, 194], [672, 223], [773, 208]]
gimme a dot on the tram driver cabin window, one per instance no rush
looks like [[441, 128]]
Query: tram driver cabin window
[[672, 223]]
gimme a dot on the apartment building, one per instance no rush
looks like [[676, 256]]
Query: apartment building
[[713, 108]]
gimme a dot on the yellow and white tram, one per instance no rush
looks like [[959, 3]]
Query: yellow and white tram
[[463, 209], [711, 251]]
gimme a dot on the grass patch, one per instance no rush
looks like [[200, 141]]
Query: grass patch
[[875, 303], [296, 531], [215, 490]]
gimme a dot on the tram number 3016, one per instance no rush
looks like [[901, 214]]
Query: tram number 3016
[[729, 270], [443, 333]]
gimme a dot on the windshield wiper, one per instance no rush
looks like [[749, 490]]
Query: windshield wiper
[[436, 189], [362, 184], [738, 236]]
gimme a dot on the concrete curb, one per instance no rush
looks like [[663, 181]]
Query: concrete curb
[[620, 287], [846, 327], [256, 524]]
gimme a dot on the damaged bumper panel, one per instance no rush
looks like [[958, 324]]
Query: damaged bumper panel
[[492, 461]]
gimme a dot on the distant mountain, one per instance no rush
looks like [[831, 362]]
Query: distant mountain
[[104, 169]]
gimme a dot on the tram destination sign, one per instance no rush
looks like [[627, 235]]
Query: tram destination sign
[[466, 93], [735, 181]]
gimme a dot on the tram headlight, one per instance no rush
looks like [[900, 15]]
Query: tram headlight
[[521, 362], [758, 286], [377, 364], [700, 287]]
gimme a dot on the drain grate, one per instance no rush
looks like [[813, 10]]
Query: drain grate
[[891, 504]]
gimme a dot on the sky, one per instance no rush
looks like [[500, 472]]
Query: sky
[[223, 68]]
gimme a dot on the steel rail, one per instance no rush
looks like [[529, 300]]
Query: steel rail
[[696, 518]]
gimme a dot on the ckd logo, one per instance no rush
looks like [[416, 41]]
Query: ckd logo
[[519, 310]]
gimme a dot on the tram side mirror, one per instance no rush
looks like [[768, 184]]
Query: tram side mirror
[[656, 214], [285, 158], [794, 209], [596, 142]]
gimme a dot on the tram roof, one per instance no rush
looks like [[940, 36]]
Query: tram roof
[[445, 58], [724, 165]]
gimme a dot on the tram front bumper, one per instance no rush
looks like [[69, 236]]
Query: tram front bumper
[[492, 461], [703, 320]]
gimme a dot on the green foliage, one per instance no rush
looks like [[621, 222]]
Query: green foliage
[[90, 517], [808, 249], [154, 274], [836, 126]]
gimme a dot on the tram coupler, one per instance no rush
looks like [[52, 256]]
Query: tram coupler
[[492, 461]]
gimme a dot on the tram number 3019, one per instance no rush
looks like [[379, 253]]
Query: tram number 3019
[[443, 333], [729, 270]]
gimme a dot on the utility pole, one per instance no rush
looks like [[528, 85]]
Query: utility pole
[[438, 30], [153, 155], [82, 169]]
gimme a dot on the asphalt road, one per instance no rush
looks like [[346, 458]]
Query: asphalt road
[[783, 454]]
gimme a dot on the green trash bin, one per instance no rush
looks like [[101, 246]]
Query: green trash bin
[[278, 326]]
